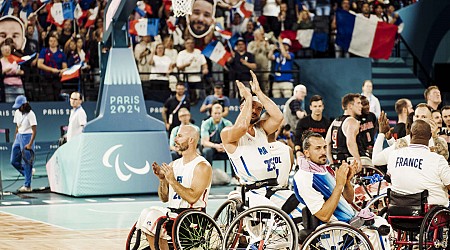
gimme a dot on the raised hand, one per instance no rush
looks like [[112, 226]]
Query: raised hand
[[157, 170], [341, 174], [254, 84], [168, 172], [243, 91]]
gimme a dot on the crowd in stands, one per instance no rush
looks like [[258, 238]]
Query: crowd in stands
[[174, 50]]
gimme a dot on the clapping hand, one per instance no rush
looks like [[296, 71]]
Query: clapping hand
[[157, 171], [254, 84]]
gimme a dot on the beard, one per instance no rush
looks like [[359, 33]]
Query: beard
[[182, 147], [199, 28], [254, 119]]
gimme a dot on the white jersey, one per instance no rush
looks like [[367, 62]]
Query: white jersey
[[184, 174], [252, 160], [281, 156], [414, 169]]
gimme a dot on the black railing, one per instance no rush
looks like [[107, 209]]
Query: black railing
[[418, 68]]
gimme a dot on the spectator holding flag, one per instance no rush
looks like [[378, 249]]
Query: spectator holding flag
[[11, 73], [52, 62]]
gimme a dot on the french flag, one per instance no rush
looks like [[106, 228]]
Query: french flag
[[314, 40], [79, 14], [171, 24], [25, 12], [246, 9], [363, 37], [6, 8], [143, 8], [72, 72], [144, 27], [216, 52], [225, 34], [60, 12], [92, 16]]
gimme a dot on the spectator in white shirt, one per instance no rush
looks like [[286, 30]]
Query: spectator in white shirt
[[374, 103], [161, 67], [77, 118]]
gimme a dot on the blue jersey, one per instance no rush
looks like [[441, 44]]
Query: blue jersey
[[314, 188]]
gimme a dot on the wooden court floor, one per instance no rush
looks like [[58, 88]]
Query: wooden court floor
[[17, 232]]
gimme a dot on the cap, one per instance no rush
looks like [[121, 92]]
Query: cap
[[299, 87], [287, 41], [20, 100]]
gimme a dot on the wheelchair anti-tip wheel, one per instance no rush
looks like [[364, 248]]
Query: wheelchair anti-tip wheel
[[136, 240], [196, 230], [333, 236], [261, 227]]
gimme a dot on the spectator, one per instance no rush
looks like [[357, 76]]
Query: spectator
[[241, 62], [216, 97], [142, 53], [161, 67], [260, 48], [23, 147], [303, 21], [294, 109], [379, 12], [271, 10], [433, 97], [368, 126], [191, 61], [284, 21], [315, 123], [11, 73], [185, 118], [323, 8], [403, 107], [283, 81], [173, 105], [71, 53], [340, 52], [367, 88], [445, 131], [52, 62], [210, 134], [365, 12], [238, 24], [170, 51], [248, 35], [66, 34], [77, 118]]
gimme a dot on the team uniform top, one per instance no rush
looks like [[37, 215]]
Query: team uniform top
[[313, 185], [184, 174], [414, 169], [282, 159], [339, 148], [252, 160]]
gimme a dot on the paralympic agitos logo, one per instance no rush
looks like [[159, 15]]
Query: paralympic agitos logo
[[117, 167]]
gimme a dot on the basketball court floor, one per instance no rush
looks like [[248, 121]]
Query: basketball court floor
[[45, 220]]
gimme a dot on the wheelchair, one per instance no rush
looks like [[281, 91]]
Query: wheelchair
[[258, 227], [330, 236], [191, 229], [416, 223]]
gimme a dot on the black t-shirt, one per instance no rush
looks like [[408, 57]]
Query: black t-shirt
[[399, 130], [242, 72], [367, 130], [171, 104], [307, 123], [63, 38]]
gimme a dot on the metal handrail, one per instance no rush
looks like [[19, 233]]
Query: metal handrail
[[417, 62]]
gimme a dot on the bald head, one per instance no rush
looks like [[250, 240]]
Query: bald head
[[420, 132], [191, 132], [187, 138]]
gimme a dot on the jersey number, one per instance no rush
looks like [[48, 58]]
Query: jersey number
[[176, 196], [334, 138]]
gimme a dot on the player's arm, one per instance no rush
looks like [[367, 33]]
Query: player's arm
[[329, 144], [351, 131], [328, 208], [198, 187], [291, 156], [163, 188], [275, 115], [233, 133]]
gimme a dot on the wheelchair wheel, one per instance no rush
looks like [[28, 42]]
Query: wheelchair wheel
[[261, 227], [435, 229], [378, 205], [368, 184], [337, 236], [136, 240], [226, 213], [196, 230]]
